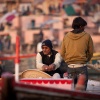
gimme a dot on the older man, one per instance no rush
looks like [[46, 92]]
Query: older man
[[49, 60]]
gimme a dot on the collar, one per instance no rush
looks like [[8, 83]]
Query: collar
[[49, 55]]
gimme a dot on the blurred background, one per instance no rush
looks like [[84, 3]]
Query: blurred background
[[37, 20]]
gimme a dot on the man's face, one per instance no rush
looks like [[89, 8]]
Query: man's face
[[46, 50]]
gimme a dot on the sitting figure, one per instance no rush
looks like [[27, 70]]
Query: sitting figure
[[49, 60]]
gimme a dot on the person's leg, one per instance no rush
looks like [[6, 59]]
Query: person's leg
[[56, 75], [86, 75], [80, 82], [72, 74], [83, 71]]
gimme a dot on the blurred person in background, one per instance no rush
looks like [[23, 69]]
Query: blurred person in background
[[1, 53], [40, 38], [77, 50], [1, 45], [1, 27], [7, 42]]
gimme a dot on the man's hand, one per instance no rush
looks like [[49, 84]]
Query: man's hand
[[45, 67], [51, 67], [48, 68]]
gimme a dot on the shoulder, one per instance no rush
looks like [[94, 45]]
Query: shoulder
[[66, 36], [41, 53], [54, 51], [38, 54], [87, 35]]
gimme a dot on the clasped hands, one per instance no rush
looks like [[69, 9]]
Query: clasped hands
[[48, 67]]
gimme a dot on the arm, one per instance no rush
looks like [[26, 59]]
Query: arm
[[57, 61], [62, 52], [90, 49], [39, 63]]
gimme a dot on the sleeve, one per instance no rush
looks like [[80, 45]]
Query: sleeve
[[62, 52], [58, 60], [39, 63], [90, 49]]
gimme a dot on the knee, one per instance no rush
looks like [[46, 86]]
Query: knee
[[56, 75]]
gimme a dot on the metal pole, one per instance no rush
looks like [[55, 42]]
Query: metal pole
[[17, 59]]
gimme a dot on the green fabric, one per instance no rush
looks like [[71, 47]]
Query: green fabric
[[69, 10]]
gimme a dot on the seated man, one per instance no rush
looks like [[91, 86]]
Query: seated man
[[49, 60]]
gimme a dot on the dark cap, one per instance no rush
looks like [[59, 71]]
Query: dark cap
[[47, 43]]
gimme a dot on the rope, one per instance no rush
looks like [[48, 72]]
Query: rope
[[21, 56], [91, 66]]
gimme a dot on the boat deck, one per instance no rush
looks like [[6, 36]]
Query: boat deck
[[93, 86], [63, 84]]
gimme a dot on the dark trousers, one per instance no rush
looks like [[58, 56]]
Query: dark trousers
[[55, 71]]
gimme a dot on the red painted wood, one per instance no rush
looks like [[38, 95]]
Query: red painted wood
[[45, 81], [17, 49], [21, 56], [71, 93]]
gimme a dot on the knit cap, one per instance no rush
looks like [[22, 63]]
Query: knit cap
[[47, 43]]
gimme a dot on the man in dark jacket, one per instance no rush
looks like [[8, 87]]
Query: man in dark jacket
[[48, 60]]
